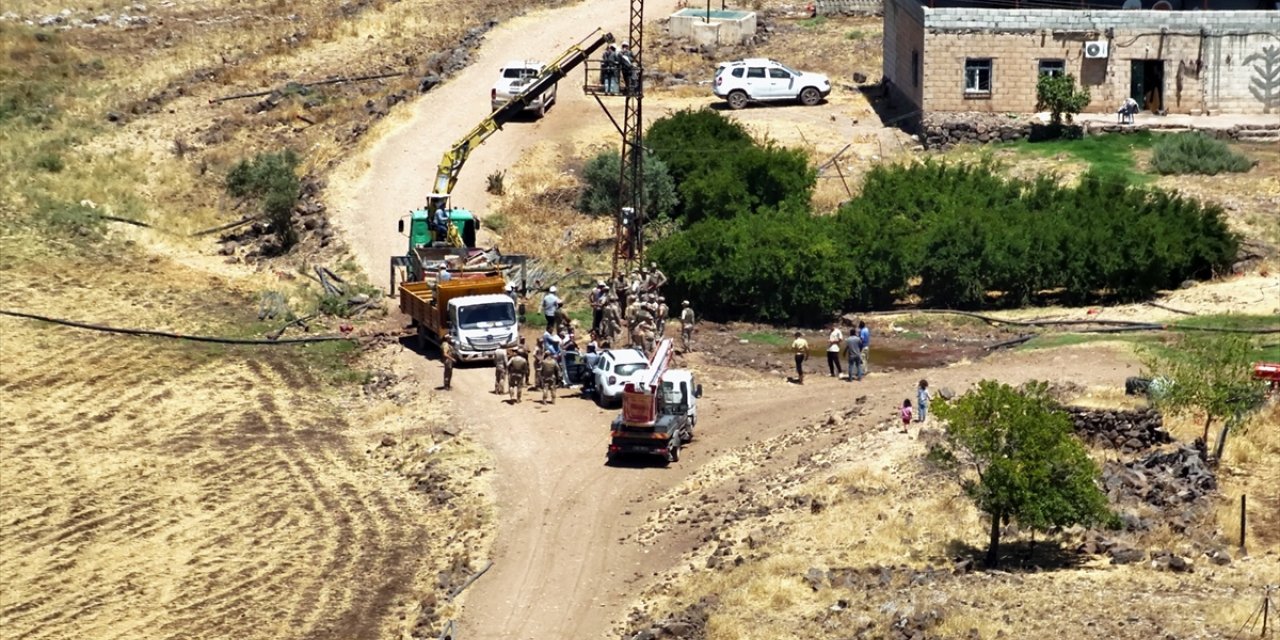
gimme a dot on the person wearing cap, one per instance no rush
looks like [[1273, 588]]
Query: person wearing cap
[[517, 371], [627, 69], [611, 320], [687, 320], [510, 290], [656, 277], [663, 312], [800, 347], [597, 298], [550, 303], [549, 377], [449, 355]]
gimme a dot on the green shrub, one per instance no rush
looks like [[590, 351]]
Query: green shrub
[[1058, 95], [50, 161], [687, 139], [69, 219], [601, 178], [772, 266], [1195, 152], [270, 179]]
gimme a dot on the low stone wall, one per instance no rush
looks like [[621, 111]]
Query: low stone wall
[[943, 131], [848, 7], [1127, 431]]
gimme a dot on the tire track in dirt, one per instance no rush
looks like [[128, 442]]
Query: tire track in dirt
[[167, 492]]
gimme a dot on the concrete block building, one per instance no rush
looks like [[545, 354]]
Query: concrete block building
[[986, 56]]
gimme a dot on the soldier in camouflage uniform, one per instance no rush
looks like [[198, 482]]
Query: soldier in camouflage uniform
[[518, 369], [549, 372]]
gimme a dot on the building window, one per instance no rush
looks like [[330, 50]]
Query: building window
[[977, 76], [1053, 67], [915, 68]]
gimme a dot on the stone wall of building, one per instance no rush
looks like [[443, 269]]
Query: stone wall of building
[[903, 47], [1214, 61]]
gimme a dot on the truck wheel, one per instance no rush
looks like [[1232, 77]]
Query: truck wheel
[[810, 96], [738, 100]]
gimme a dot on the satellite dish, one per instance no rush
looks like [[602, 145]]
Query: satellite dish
[[1131, 4], [1162, 5]]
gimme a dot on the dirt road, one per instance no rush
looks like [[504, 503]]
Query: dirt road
[[562, 568], [395, 174]]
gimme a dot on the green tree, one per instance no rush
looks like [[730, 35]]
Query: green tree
[[271, 179], [1015, 456], [747, 180], [602, 185], [687, 140], [1210, 373], [1058, 95], [773, 266]]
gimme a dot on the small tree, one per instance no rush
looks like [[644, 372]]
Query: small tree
[[1015, 456], [1207, 373], [270, 178], [601, 186], [1058, 95]]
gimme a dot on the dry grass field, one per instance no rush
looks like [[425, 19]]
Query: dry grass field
[[163, 489]]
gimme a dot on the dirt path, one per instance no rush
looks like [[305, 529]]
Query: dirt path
[[566, 559], [394, 176]]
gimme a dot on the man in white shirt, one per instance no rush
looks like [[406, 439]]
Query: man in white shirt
[[550, 303], [833, 350]]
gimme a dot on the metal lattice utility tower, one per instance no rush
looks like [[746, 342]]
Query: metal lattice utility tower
[[600, 81]]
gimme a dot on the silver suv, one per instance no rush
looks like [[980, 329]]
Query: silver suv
[[762, 79]]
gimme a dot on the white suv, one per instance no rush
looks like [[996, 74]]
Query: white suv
[[761, 79]]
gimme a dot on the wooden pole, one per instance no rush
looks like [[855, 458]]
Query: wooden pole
[[1266, 609], [1242, 507]]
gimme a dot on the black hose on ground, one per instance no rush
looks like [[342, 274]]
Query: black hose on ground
[[1126, 325], [166, 334]]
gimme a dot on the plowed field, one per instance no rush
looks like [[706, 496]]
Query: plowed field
[[155, 490]]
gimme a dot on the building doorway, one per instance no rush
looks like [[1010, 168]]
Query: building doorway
[[1146, 84]]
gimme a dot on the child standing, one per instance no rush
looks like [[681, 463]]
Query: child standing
[[906, 414], [922, 399]]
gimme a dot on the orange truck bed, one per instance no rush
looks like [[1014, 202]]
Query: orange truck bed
[[419, 300]]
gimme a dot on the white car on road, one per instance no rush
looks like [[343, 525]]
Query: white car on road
[[513, 78], [616, 368], [763, 80]]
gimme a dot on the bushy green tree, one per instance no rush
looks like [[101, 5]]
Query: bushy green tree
[[721, 172], [1058, 95], [271, 179], [1210, 374], [1014, 454], [602, 177], [772, 266], [686, 140], [747, 180]]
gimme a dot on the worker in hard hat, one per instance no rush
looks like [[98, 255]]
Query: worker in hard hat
[[550, 303]]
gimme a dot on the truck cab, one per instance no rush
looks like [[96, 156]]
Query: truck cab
[[481, 324]]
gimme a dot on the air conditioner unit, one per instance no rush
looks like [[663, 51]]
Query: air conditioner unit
[[1095, 49]]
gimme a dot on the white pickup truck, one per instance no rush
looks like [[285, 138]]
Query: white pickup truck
[[514, 77]]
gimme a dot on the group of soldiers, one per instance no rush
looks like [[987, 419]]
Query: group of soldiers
[[511, 368], [635, 305]]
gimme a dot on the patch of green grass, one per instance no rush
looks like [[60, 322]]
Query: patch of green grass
[[1055, 340], [1110, 154], [333, 362], [855, 34], [1196, 152], [1269, 353], [1229, 321], [764, 337], [582, 316], [814, 22]]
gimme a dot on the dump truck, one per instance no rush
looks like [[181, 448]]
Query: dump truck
[[471, 306], [658, 414]]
